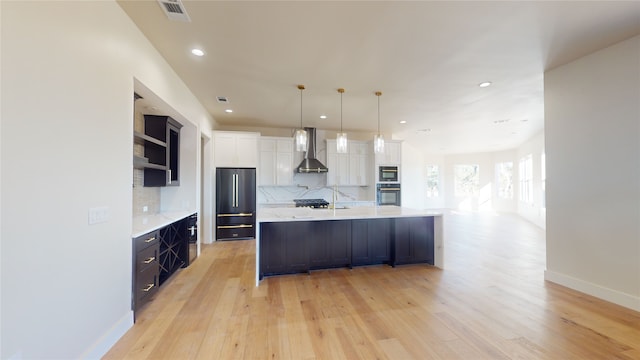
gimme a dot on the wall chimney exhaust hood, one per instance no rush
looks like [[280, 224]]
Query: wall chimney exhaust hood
[[310, 164]]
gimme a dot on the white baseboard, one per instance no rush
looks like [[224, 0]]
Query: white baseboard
[[614, 296], [109, 338]]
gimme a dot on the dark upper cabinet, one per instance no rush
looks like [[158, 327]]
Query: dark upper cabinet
[[370, 241], [161, 141], [413, 240]]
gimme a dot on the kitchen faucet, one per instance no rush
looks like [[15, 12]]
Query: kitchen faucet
[[335, 195]]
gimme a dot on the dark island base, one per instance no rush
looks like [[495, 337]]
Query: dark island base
[[303, 246]]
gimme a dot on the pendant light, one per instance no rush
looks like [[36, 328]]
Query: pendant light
[[341, 138], [300, 136], [378, 140]]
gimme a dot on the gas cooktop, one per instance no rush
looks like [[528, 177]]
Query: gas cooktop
[[312, 203]]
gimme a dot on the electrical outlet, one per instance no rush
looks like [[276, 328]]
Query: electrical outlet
[[98, 215], [145, 209]]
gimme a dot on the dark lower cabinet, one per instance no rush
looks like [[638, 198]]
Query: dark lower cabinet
[[330, 244], [300, 246], [284, 247], [370, 241], [413, 240], [156, 256], [146, 271], [174, 248]]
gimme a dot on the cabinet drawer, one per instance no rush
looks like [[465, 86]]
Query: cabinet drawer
[[241, 231], [146, 284], [146, 258], [230, 219], [146, 240]]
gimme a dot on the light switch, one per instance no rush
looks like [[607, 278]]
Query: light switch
[[98, 215]]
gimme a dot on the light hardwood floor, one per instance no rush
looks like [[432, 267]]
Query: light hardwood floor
[[491, 302]]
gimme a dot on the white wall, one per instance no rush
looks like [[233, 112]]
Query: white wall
[[413, 176], [592, 122], [535, 211], [68, 72]]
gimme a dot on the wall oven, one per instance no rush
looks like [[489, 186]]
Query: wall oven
[[388, 174], [388, 194]]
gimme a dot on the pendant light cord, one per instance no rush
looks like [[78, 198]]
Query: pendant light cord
[[341, 91], [301, 87], [340, 112], [378, 93]]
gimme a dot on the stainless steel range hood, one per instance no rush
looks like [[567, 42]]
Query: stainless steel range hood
[[310, 164]]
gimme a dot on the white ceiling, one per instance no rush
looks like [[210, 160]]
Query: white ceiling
[[427, 58]]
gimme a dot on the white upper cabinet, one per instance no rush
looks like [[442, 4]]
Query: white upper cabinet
[[359, 163], [392, 153], [235, 149], [351, 169], [276, 161]]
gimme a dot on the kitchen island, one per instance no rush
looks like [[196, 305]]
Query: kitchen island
[[293, 240]]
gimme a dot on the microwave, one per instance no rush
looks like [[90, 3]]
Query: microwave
[[388, 174]]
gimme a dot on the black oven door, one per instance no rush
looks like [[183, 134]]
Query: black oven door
[[388, 194]]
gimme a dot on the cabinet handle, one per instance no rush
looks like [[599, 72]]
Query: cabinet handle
[[149, 287], [235, 190], [238, 214], [168, 176], [149, 260], [150, 239], [234, 226]]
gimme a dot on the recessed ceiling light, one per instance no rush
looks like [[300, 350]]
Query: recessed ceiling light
[[197, 52], [228, 111], [485, 84], [323, 116], [403, 122]]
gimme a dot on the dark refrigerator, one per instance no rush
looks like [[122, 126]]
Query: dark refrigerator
[[235, 203]]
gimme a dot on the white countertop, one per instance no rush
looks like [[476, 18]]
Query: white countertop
[[146, 223], [359, 212]]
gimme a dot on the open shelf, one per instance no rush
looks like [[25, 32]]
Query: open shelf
[[140, 138], [140, 162]]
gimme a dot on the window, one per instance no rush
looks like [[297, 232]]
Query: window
[[543, 172], [467, 180], [433, 181], [526, 169], [504, 179]]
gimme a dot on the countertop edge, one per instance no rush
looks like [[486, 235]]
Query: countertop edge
[[302, 214], [147, 223]]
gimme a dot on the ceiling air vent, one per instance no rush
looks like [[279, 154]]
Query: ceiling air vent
[[174, 9], [222, 99]]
